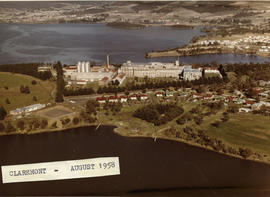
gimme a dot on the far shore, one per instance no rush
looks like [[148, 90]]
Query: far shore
[[176, 53]]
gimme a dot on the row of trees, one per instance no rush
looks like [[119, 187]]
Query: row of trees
[[200, 137], [27, 69]]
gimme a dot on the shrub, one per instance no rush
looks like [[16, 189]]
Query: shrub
[[3, 113], [76, 120], [34, 82], [2, 127], [10, 128], [20, 125], [245, 152]]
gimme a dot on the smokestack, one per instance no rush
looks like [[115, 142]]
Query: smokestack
[[108, 60]]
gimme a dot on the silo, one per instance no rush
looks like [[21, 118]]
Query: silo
[[83, 67], [79, 67], [87, 65]]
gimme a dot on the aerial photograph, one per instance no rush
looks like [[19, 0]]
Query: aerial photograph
[[135, 98]]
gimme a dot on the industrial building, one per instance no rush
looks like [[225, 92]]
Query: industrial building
[[190, 74], [84, 73], [151, 70]]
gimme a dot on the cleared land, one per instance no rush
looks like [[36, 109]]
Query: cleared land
[[42, 90]]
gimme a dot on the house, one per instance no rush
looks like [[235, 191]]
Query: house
[[159, 94], [242, 109], [143, 97], [123, 99], [263, 94], [229, 99], [133, 97], [169, 93], [113, 99], [101, 100], [239, 101], [197, 95], [250, 102], [257, 106], [208, 96], [239, 94]]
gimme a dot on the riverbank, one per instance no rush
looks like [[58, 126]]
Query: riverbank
[[120, 130]]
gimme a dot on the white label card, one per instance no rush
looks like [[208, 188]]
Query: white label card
[[72, 169]]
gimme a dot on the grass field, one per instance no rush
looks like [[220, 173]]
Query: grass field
[[247, 130], [42, 90]]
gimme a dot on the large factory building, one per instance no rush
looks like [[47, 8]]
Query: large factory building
[[84, 73]]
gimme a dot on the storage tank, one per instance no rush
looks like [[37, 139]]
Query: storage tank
[[87, 65], [79, 67], [83, 67]]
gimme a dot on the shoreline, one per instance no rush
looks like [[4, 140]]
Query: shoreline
[[117, 132], [176, 53]]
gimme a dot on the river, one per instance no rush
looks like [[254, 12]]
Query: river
[[146, 166], [70, 43]]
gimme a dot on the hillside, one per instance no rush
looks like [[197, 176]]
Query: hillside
[[10, 89]]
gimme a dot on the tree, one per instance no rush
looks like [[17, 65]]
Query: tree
[[3, 113], [2, 127], [91, 107], [59, 82], [44, 124], [54, 125], [10, 128], [26, 90], [75, 120], [34, 82], [20, 124], [245, 152], [7, 101], [126, 93]]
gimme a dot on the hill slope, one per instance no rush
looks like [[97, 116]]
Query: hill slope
[[42, 90]]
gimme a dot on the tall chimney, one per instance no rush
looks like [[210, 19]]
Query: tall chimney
[[108, 60]]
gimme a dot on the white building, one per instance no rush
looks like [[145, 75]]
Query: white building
[[151, 70], [191, 74], [27, 109]]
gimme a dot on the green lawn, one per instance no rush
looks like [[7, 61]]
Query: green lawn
[[247, 130], [42, 90]]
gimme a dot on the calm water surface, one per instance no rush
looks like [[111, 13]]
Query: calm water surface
[[145, 165], [70, 43]]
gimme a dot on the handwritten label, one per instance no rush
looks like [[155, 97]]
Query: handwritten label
[[72, 169]]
